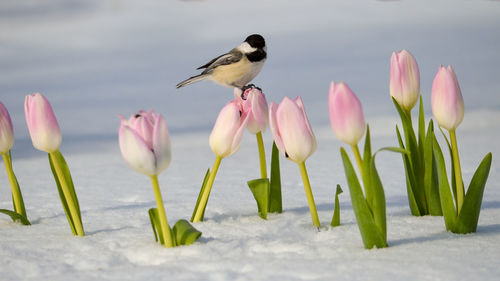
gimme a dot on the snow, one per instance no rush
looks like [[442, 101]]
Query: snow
[[97, 59]]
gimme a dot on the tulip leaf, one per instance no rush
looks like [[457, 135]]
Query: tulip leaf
[[453, 179], [449, 211], [469, 214], [199, 196], [416, 172], [185, 233], [155, 224], [55, 157], [415, 210], [12, 176], [365, 175], [336, 210], [260, 190], [275, 201], [421, 127], [15, 216], [431, 182], [366, 223]]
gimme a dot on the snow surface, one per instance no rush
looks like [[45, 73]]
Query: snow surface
[[97, 59]]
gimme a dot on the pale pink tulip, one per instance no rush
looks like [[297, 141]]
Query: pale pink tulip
[[346, 113], [145, 142], [225, 138], [446, 99], [6, 130], [405, 79], [253, 102], [42, 123], [291, 130]]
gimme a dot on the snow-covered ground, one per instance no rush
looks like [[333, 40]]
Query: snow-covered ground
[[97, 59]]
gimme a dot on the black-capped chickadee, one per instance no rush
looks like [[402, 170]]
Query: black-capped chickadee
[[236, 68]]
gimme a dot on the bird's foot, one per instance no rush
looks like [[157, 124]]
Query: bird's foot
[[246, 87]]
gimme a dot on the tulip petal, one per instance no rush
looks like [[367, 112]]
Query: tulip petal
[[225, 128], [161, 144], [6, 130], [42, 123], [273, 125], [136, 152]]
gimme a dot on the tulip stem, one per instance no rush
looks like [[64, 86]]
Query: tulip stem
[[458, 171], [17, 197], [167, 235], [206, 192], [262, 155], [310, 197], [408, 113], [357, 155], [67, 195]]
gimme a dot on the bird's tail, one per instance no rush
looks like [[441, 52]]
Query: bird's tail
[[191, 80]]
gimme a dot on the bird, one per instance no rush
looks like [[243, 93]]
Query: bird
[[237, 67]]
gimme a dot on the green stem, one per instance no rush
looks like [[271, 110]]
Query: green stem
[[206, 191], [17, 197], [167, 235], [458, 171], [310, 198], [357, 155], [67, 195], [408, 113], [262, 155]]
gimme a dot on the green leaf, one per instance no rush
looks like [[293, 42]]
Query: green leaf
[[155, 224], [185, 233], [275, 201], [421, 126], [431, 182], [61, 196], [260, 190], [449, 211], [378, 201], [199, 196], [453, 179], [369, 231], [410, 182], [365, 175], [15, 216], [336, 210], [414, 157], [469, 214]]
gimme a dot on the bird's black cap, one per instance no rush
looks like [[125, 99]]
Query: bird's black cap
[[256, 41]]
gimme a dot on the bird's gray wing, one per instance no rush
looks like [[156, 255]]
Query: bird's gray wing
[[231, 57]]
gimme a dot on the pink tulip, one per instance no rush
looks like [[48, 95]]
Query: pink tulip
[[405, 79], [225, 138], [42, 123], [6, 130], [253, 102], [346, 113], [291, 129], [446, 99], [145, 142]]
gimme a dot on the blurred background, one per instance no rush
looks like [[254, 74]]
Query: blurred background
[[97, 59]]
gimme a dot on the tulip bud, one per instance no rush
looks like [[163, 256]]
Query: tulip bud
[[6, 130], [405, 79], [446, 99], [291, 130], [225, 138], [346, 113], [253, 103], [42, 123], [145, 142]]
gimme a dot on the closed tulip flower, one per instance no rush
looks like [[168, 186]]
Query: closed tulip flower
[[446, 99], [145, 142], [253, 102], [225, 138], [6, 130], [42, 123], [294, 138], [291, 129], [346, 113], [405, 79]]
